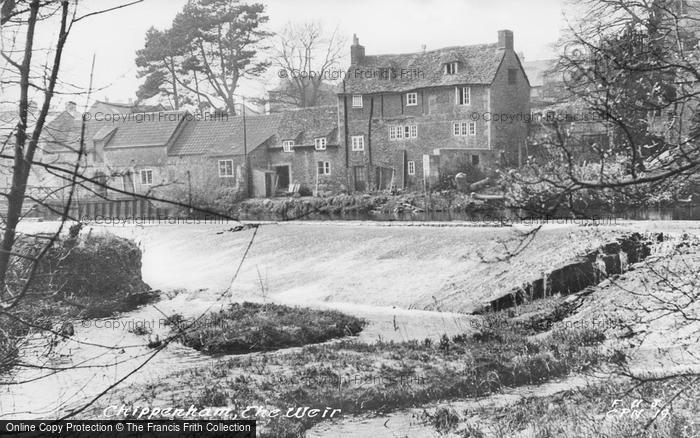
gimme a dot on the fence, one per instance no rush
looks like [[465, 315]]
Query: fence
[[115, 209]]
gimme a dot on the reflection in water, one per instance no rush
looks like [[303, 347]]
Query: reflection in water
[[502, 216]]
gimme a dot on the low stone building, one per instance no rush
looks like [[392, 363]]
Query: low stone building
[[307, 150]]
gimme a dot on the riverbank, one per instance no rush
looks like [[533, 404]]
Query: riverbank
[[549, 366], [446, 205], [382, 272]]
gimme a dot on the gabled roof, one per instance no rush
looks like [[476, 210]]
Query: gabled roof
[[63, 133], [224, 136], [478, 65], [104, 133], [146, 129]]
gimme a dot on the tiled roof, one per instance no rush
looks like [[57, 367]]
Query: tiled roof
[[146, 129], [305, 124], [142, 129], [63, 133], [478, 65], [224, 136]]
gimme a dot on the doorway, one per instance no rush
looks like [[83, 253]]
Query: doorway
[[283, 177], [360, 174]]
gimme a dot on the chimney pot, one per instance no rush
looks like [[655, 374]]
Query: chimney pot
[[357, 52]]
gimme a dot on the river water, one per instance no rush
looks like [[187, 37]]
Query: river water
[[192, 265]]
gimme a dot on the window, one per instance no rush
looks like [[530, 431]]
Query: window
[[320, 143], [411, 99], [464, 95], [146, 177], [411, 167], [358, 142], [357, 101], [324, 167], [451, 68], [464, 128], [101, 181], [475, 160], [512, 76], [128, 182], [287, 145], [398, 132], [225, 168], [394, 133]]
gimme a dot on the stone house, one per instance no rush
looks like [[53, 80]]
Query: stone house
[[398, 121], [292, 147], [405, 119], [211, 153], [307, 150]]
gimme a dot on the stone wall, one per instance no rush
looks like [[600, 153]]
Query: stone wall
[[509, 133]]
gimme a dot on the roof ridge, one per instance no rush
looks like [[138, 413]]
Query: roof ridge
[[434, 50], [308, 108]]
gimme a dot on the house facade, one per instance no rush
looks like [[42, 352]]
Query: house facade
[[400, 121], [405, 119], [307, 150]]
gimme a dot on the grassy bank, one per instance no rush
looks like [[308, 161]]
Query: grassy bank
[[362, 378], [81, 276], [605, 409], [248, 327], [353, 206]]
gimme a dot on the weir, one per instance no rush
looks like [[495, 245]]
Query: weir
[[610, 259]]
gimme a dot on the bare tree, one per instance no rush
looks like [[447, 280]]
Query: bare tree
[[308, 59], [631, 69]]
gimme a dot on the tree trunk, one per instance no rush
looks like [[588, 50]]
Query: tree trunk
[[174, 81], [15, 198]]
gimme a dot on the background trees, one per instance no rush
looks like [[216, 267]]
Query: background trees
[[202, 57], [308, 59], [634, 66]]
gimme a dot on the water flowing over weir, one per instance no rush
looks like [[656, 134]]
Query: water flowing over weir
[[610, 259]]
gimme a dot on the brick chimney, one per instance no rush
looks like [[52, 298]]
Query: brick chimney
[[71, 107], [505, 39], [357, 52]]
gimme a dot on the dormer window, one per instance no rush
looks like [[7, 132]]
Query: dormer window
[[451, 68], [287, 145], [357, 101], [411, 99], [320, 143]]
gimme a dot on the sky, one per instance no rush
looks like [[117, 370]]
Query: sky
[[386, 26]]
